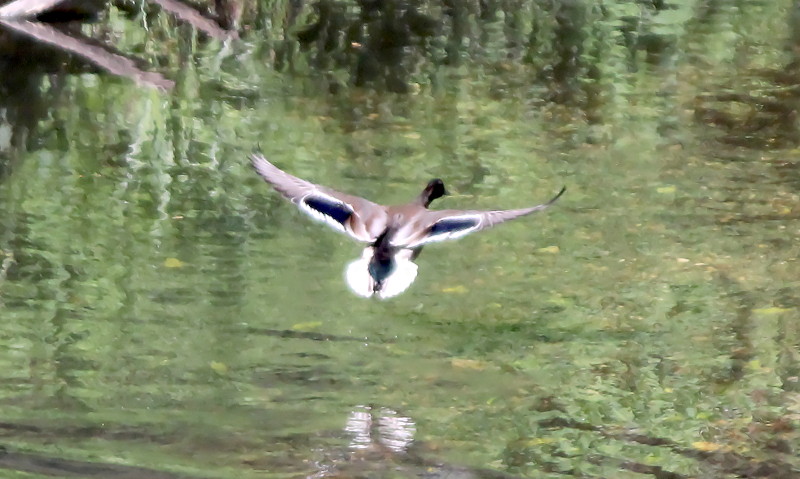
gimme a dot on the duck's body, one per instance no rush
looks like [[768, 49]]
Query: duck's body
[[395, 234]]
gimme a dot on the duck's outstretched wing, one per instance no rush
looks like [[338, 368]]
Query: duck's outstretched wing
[[355, 216], [453, 224]]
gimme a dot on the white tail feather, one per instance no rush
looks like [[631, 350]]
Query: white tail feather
[[361, 283], [404, 274], [358, 278]]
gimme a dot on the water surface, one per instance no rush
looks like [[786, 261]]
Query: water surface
[[163, 308]]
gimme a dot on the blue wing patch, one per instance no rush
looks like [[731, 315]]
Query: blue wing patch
[[334, 210], [453, 225]]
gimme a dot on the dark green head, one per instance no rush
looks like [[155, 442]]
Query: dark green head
[[434, 190]]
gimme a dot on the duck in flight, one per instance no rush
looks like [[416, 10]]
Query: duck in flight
[[394, 235]]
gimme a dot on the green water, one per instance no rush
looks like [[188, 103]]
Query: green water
[[161, 307]]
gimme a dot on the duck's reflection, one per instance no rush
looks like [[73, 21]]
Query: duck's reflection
[[379, 439], [380, 428], [381, 443]]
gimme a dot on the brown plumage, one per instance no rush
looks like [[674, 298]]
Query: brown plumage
[[402, 229]]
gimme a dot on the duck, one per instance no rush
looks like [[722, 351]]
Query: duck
[[394, 235]]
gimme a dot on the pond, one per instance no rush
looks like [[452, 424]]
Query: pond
[[165, 313]]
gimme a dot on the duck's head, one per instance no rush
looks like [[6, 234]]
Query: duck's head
[[434, 190]]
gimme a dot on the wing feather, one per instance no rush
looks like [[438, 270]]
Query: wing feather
[[453, 224], [362, 219]]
